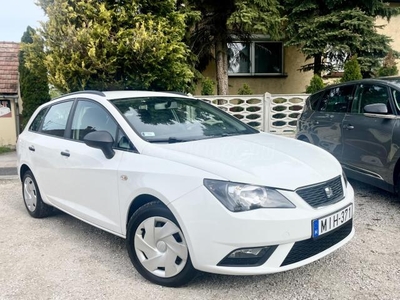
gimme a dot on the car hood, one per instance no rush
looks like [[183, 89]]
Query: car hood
[[261, 159]]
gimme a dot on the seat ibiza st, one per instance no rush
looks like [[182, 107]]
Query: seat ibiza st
[[187, 185]]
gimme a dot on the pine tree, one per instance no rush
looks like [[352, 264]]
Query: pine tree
[[333, 30], [221, 21], [34, 84]]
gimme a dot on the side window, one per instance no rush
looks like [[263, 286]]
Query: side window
[[123, 142], [396, 98], [38, 120], [314, 100], [370, 94], [337, 99], [55, 121], [90, 116]]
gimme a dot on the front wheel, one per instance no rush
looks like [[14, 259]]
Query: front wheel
[[32, 198], [157, 247]]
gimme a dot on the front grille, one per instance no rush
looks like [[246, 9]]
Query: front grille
[[308, 248], [316, 195]]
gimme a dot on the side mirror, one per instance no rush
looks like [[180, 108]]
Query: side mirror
[[376, 108], [102, 140]]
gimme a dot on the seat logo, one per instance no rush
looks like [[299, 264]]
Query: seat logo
[[328, 192]]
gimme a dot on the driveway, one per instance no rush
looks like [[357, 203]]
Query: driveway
[[63, 258]]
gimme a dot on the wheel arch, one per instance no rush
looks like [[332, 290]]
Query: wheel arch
[[22, 170], [396, 173], [138, 202]]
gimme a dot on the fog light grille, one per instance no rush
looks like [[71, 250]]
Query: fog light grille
[[247, 257]]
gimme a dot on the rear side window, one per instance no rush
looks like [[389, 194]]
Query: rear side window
[[337, 99], [314, 100], [38, 120], [55, 121]]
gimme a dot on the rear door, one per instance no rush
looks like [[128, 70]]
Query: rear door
[[367, 138], [326, 122]]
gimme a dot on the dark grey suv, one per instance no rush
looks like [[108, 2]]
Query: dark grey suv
[[359, 123]]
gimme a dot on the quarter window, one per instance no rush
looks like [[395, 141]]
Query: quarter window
[[38, 120], [56, 119], [255, 58], [337, 99]]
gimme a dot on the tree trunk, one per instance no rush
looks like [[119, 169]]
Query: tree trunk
[[221, 59], [318, 65]]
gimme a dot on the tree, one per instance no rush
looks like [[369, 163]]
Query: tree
[[389, 67], [316, 84], [34, 85], [352, 70], [108, 44], [334, 30], [222, 21]]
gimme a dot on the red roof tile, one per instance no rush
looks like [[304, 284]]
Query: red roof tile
[[9, 67]]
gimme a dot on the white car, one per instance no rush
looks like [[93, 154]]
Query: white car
[[189, 186]]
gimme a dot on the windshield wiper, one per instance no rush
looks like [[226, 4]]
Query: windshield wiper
[[169, 140]]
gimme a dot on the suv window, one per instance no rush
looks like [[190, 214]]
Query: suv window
[[370, 94], [314, 100], [38, 120], [90, 116], [396, 98], [337, 99], [56, 119]]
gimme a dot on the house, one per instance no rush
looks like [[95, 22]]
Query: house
[[9, 93], [271, 67]]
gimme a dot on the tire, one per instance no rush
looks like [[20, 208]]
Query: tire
[[157, 247], [304, 139], [32, 198]]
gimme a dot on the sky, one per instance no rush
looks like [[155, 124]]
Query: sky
[[16, 16]]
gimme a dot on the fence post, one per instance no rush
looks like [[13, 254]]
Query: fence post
[[267, 111]]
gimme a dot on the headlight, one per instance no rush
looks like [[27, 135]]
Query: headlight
[[241, 197], [345, 178]]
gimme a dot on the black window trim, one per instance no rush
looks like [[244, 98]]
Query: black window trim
[[252, 72]]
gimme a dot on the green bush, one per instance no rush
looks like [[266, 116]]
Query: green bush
[[5, 149], [245, 90], [352, 70], [207, 86], [316, 84], [389, 67]]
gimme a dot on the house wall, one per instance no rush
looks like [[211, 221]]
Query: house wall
[[8, 131], [392, 29], [294, 82]]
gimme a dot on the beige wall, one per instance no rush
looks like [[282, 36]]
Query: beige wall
[[8, 132], [294, 83], [392, 30]]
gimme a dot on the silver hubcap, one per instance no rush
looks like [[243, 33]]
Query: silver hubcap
[[30, 194], [161, 247]]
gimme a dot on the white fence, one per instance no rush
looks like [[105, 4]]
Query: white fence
[[270, 113]]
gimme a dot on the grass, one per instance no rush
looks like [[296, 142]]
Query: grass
[[4, 149]]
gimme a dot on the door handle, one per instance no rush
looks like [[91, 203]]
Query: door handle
[[348, 127], [65, 153], [31, 148]]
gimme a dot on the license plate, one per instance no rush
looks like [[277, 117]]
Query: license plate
[[331, 222]]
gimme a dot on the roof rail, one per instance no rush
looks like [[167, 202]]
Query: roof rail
[[82, 92]]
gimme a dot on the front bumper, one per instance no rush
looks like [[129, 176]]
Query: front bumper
[[212, 232]]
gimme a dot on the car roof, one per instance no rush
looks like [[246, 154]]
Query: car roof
[[112, 95], [391, 80]]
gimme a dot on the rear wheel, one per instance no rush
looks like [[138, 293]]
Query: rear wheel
[[157, 247], [32, 198], [304, 139]]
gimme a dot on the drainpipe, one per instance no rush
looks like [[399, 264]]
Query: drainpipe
[[17, 108]]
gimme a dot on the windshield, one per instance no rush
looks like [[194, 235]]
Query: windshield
[[393, 80], [173, 119]]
